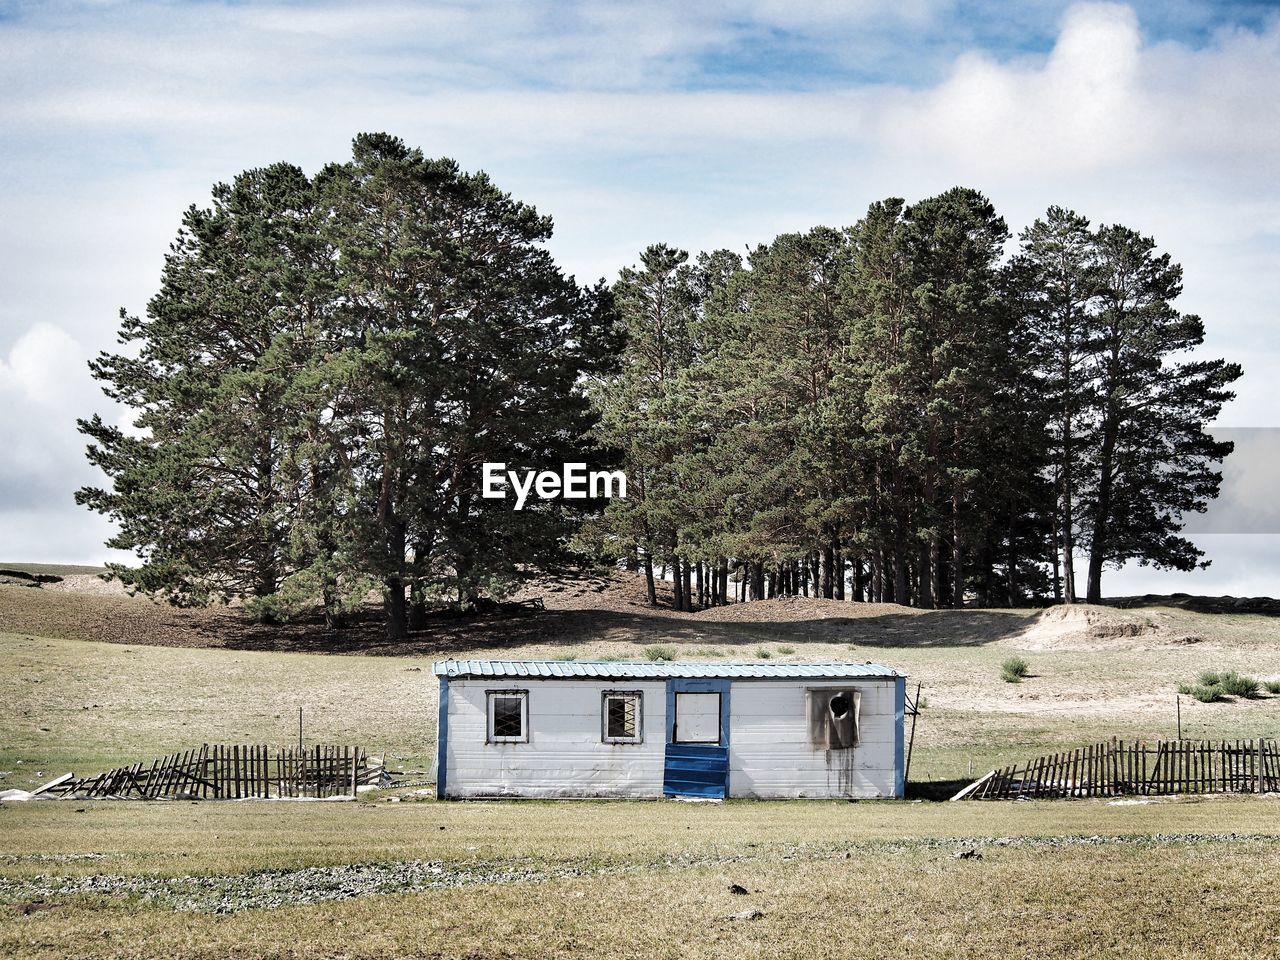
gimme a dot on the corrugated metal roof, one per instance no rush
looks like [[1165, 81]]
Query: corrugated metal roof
[[660, 670]]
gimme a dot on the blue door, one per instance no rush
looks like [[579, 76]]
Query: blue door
[[697, 762]]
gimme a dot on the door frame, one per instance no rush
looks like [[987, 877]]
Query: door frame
[[698, 685]]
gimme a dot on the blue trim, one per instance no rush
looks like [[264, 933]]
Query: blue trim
[[900, 712], [442, 739], [696, 769]]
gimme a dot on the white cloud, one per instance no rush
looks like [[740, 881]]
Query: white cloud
[[113, 123], [1101, 99]]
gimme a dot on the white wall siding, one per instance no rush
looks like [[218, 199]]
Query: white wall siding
[[770, 755], [564, 756]]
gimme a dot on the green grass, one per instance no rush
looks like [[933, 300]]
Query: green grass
[[1215, 686], [762, 653], [1271, 686], [1230, 682], [1014, 670], [660, 652], [786, 650], [1204, 693]]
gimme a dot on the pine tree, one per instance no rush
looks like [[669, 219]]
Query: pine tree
[[322, 375], [1057, 279], [1153, 462], [641, 410], [198, 490]]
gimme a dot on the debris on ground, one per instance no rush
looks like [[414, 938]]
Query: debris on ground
[[737, 889], [752, 914]]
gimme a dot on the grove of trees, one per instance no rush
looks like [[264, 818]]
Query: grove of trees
[[897, 411]]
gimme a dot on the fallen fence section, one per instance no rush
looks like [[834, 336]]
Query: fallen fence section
[[234, 772], [1136, 768]]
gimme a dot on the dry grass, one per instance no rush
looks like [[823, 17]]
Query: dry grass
[[832, 880], [86, 706], [1015, 903], [639, 879], [90, 706]]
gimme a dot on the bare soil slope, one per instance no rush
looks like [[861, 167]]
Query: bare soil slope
[[611, 614]]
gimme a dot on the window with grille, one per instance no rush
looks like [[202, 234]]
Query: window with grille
[[508, 716], [622, 716]]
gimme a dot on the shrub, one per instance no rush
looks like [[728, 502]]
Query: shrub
[[786, 650], [1201, 692], [1271, 686], [272, 609], [660, 652], [1230, 683], [1014, 670], [763, 653]]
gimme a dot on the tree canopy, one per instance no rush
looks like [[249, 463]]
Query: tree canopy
[[893, 411]]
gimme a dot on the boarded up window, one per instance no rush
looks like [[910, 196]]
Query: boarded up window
[[621, 715], [697, 718], [508, 716], [833, 717]]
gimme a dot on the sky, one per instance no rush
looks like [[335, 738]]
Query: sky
[[704, 125]]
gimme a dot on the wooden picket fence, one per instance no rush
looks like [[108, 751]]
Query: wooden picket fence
[[231, 772], [1135, 768]]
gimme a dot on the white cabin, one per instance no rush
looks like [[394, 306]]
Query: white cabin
[[551, 729]]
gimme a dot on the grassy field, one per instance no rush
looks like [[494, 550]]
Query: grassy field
[[1174, 878], [84, 706], [1083, 879]]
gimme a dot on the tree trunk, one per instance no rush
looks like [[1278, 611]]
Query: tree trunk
[[1011, 572], [957, 556], [650, 589], [393, 603], [927, 573], [935, 568], [334, 617], [1102, 510], [1056, 559], [837, 557]]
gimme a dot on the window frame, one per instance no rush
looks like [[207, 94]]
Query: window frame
[[491, 697], [605, 696]]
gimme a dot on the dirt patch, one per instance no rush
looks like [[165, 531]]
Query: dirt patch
[[1085, 627], [799, 609]]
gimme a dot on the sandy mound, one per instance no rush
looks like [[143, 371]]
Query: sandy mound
[[1085, 627], [89, 583]]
